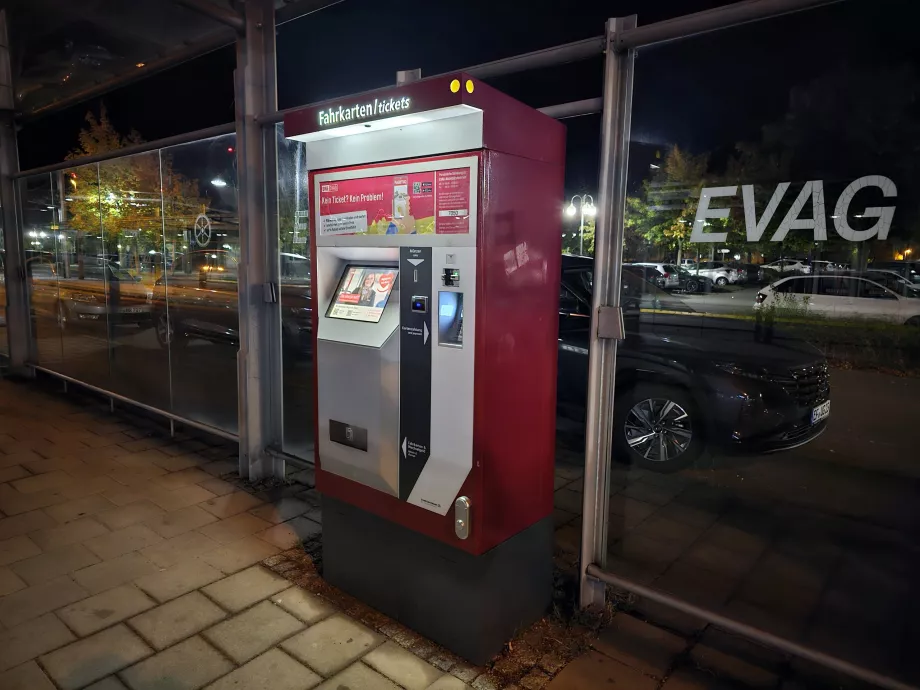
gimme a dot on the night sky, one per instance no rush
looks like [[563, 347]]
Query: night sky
[[703, 93]]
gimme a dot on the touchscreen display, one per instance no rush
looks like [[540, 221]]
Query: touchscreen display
[[362, 293]]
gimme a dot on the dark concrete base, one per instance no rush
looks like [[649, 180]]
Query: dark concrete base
[[469, 604]]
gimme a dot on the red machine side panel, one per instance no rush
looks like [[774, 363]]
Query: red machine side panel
[[517, 342]]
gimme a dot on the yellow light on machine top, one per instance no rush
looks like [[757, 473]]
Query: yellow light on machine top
[[469, 86], [455, 86]]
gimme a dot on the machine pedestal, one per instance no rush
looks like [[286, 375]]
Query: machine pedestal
[[472, 605]]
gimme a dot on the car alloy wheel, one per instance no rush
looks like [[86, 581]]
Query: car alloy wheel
[[658, 429], [721, 281], [692, 286]]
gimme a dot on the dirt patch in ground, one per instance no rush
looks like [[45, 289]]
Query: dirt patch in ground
[[529, 661]]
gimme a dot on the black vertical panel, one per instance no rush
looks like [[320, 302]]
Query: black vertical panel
[[415, 339]]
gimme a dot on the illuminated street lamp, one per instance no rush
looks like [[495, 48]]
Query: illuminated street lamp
[[217, 182], [586, 204]]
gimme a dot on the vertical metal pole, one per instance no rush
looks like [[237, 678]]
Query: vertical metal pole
[[260, 329], [608, 253], [581, 230], [18, 321]]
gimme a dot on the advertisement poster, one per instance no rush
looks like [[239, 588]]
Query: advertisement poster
[[362, 293], [423, 203]]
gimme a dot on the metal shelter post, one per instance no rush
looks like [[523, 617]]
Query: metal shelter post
[[606, 314], [18, 325], [258, 360]]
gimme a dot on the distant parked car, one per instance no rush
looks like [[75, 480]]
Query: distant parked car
[[751, 273], [786, 266], [691, 282], [891, 280], [718, 271], [648, 273], [668, 272], [906, 269], [841, 296], [827, 266]]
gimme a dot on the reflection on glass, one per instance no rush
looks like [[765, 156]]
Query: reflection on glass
[[195, 301], [296, 310], [749, 477], [450, 318], [40, 208], [132, 224], [4, 343]]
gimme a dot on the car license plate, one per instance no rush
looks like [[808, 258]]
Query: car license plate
[[822, 411], [131, 310]]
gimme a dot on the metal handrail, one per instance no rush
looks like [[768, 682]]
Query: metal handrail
[[762, 636]]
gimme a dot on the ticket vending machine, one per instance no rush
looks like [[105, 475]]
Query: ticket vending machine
[[435, 249]]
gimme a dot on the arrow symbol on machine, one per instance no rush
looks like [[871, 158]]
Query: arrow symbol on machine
[[404, 446], [425, 336], [415, 262]]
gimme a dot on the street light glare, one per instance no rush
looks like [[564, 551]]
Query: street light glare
[[217, 182], [590, 209], [570, 210]]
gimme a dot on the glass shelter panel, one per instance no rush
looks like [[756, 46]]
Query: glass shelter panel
[[195, 302], [4, 342], [765, 463], [41, 213], [136, 263], [296, 309], [86, 268]]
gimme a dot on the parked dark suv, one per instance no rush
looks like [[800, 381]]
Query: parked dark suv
[[684, 383]]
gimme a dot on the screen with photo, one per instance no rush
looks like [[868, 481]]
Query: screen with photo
[[362, 293]]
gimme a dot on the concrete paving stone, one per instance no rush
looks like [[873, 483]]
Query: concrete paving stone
[[17, 549], [238, 591], [231, 504], [358, 677], [170, 499], [88, 487], [180, 618], [79, 508], [19, 458], [37, 600], [95, 657], [8, 474], [9, 582], [120, 517], [640, 645], [234, 528], [51, 564], [307, 607], [110, 683], [25, 523], [218, 487], [696, 679], [289, 534], [252, 632], [273, 670], [186, 666], [179, 579], [722, 664], [118, 571], [332, 644], [281, 510], [70, 533], [136, 476], [448, 683], [126, 495], [402, 666], [43, 482], [177, 522], [192, 475], [219, 468], [596, 670], [172, 551], [114, 544], [12, 502], [102, 610], [26, 677], [240, 554], [180, 462], [31, 639]]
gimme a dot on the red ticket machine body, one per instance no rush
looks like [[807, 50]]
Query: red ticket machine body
[[435, 249]]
